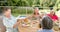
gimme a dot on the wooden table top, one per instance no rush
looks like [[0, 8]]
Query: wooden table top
[[32, 28]]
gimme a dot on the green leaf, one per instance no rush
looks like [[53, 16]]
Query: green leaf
[[16, 0]]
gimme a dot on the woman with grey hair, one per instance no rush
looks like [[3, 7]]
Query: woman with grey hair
[[47, 25]]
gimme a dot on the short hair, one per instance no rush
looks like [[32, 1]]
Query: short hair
[[51, 8], [6, 9], [47, 23]]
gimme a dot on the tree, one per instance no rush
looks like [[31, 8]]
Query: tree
[[30, 3]]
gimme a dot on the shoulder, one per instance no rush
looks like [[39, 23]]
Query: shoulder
[[56, 15], [39, 31], [43, 30]]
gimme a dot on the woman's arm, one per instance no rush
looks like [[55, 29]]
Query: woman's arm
[[7, 23], [16, 24]]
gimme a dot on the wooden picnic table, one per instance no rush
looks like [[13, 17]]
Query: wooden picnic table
[[34, 26]]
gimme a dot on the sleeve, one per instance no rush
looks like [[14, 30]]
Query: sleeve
[[7, 24], [56, 17]]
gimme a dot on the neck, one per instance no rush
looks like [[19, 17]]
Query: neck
[[8, 16], [51, 14]]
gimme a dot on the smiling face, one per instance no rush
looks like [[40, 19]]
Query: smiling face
[[36, 11], [7, 12], [52, 12]]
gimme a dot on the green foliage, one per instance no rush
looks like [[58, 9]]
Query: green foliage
[[21, 11], [44, 3], [30, 3]]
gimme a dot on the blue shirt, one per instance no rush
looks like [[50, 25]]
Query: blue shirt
[[45, 30]]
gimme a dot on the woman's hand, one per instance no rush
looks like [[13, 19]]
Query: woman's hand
[[16, 24]]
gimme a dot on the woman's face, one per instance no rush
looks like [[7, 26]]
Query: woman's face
[[8, 12], [52, 12], [36, 10]]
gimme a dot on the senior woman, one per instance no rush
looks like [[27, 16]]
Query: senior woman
[[9, 21], [47, 25]]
